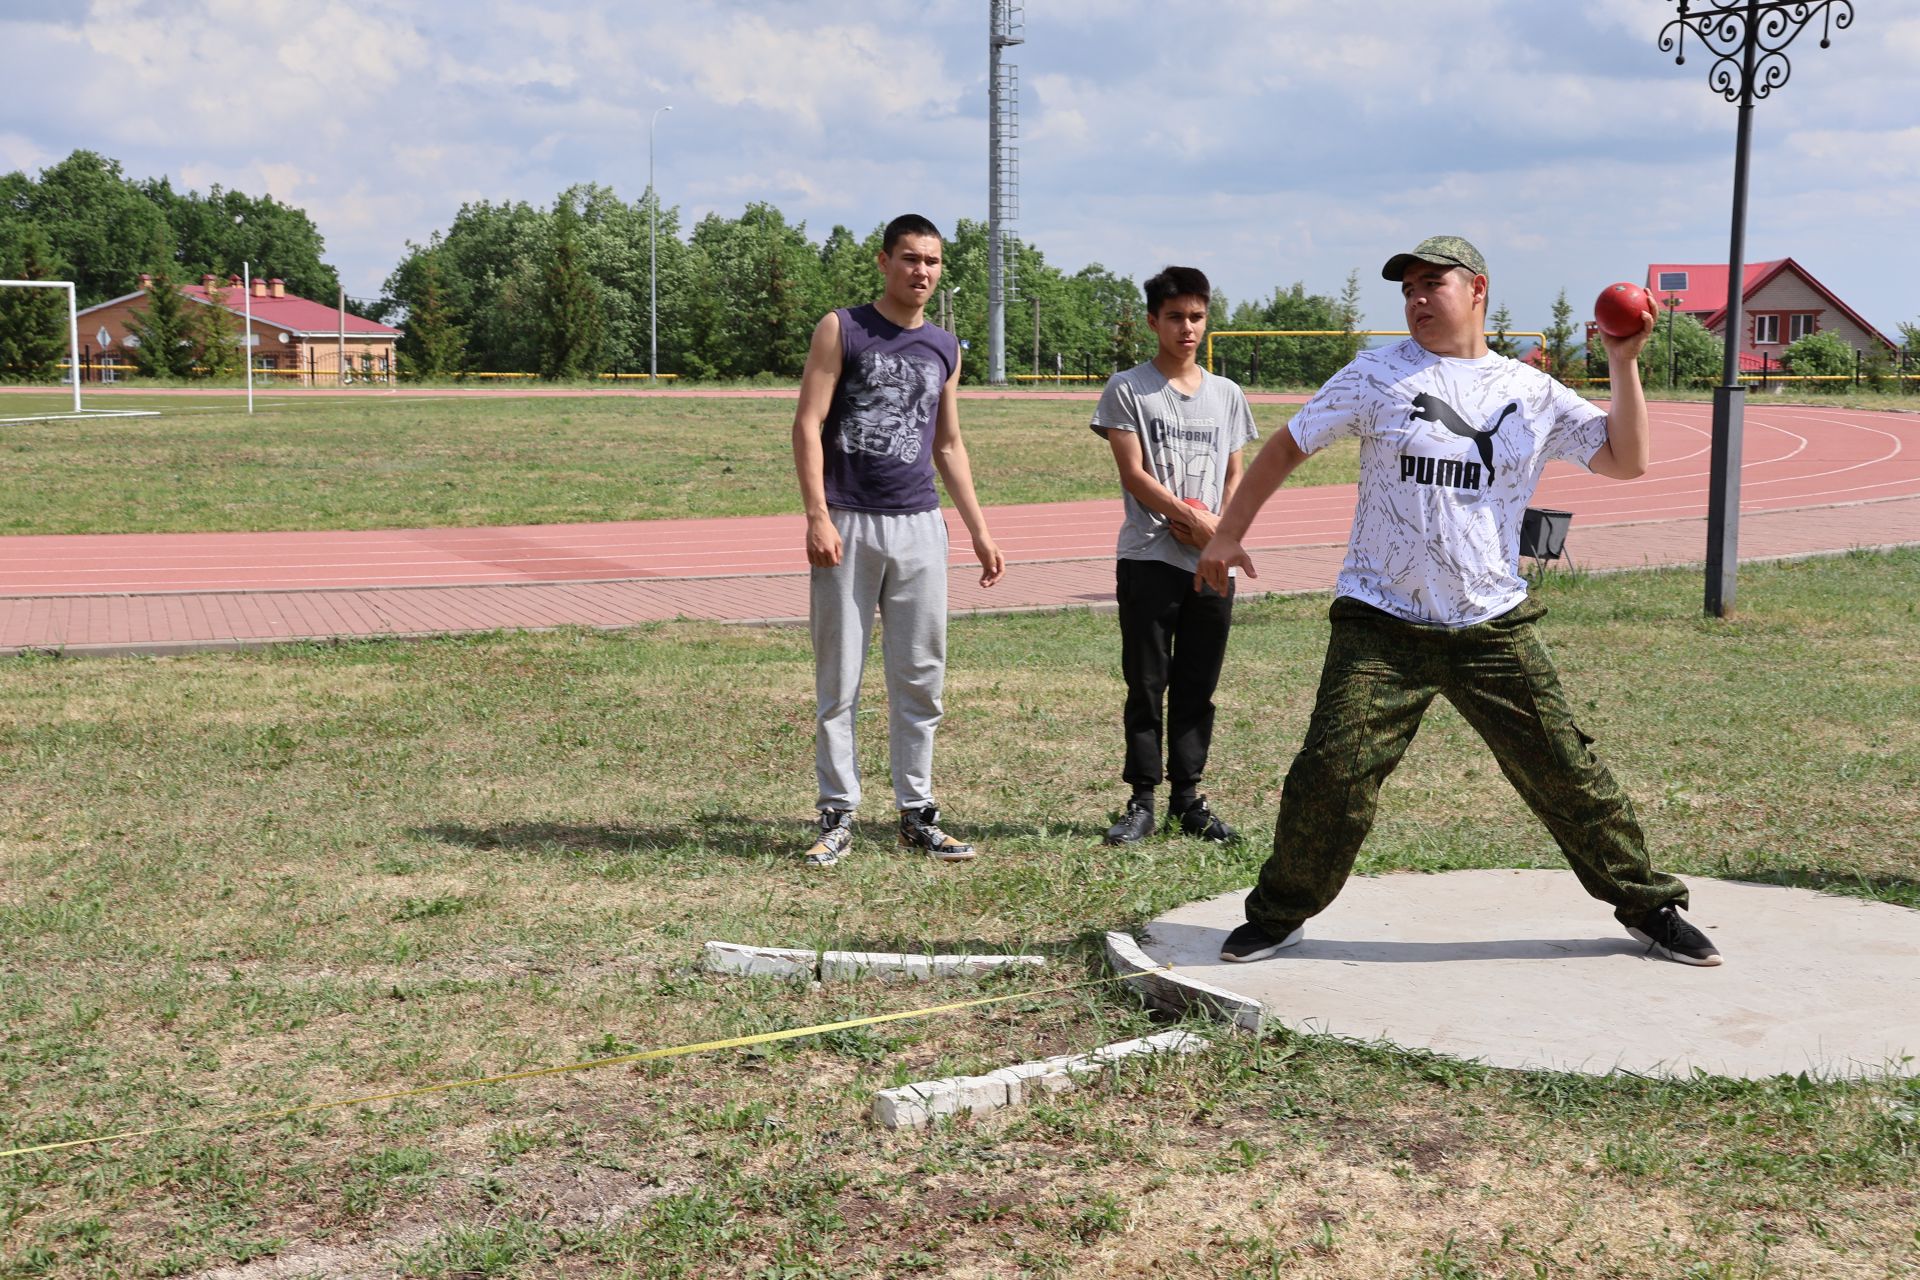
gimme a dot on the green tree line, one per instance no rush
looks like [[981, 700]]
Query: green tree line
[[509, 287], [85, 220], [102, 229], [563, 290]]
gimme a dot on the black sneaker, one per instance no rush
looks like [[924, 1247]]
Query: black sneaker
[[1135, 824], [1666, 934], [920, 829], [836, 833], [1251, 942], [1200, 822]]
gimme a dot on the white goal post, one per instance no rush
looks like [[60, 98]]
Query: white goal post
[[73, 326], [73, 360]]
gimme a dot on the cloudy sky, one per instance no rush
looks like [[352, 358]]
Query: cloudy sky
[[1266, 141]]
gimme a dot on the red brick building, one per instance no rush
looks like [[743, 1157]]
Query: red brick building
[[295, 340]]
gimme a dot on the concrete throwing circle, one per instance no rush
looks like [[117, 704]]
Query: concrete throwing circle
[[1523, 969]]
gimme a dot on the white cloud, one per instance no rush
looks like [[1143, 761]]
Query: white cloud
[[1267, 141], [811, 72], [1887, 155], [23, 153]]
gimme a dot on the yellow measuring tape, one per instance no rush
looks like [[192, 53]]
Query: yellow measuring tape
[[646, 1055]]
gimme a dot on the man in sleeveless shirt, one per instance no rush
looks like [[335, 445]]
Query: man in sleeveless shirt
[[1453, 439], [877, 417], [1176, 432]]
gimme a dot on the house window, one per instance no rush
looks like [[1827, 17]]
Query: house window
[[110, 366], [1799, 327], [1673, 282], [1766, 330]]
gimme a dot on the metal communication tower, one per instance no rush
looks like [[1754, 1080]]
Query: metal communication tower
[[1005, 27]]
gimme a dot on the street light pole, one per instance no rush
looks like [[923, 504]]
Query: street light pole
[[1748, 39], [1673, 305], [1036, 337], [653, 297], [246, 339]]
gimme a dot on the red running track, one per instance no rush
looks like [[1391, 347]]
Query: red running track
[[1795, 457]]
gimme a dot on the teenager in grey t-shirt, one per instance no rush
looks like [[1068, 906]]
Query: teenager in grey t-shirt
[[1185, 442], [1176, 433]]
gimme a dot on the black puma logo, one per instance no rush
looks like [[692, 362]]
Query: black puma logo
[[1434, 409]]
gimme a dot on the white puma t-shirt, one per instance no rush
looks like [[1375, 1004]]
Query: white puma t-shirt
[[1450, 452]]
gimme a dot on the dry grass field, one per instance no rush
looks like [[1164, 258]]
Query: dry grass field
[[237, 882]]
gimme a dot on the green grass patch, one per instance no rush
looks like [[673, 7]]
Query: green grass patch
[[244, 881], [423, 462]]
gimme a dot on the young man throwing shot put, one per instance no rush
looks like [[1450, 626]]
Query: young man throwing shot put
[[1176, 432], [1453, 439], [877, 417]]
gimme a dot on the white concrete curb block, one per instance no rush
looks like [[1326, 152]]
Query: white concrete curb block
[[914, 1105], [771, 962], [1172, 992], [845, 966]]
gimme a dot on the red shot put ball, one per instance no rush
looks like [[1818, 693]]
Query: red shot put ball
[[1195, 502], [1621, 308]]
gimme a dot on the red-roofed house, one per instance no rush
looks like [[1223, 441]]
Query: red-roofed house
[[296, 340], [1781, 304]]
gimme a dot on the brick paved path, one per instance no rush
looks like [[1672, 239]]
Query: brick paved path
[[1815, 481]]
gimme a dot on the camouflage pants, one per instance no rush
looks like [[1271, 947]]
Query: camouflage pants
[[1381, 674]]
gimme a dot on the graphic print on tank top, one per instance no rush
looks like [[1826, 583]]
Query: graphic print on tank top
[[888, 398]]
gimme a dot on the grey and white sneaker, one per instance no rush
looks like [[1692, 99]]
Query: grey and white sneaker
[[920, 829], [1667, 934], [836, 834]]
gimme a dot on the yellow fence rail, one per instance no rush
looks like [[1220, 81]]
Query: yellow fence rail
[[1339, 333]]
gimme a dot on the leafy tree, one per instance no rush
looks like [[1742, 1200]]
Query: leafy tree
[[1063, 316], [33, 322], [1130, 338], [1350, 316], [849, 268], [612, 237], [433, 344], [221, 230], [490, 257], [1877, 366], [1559, 352], [164, 332], [214, 331], [1500, 322], [1820, 353], [98, 223], [757, 293], [1909, 355], [572, 323], [1295, 361], [1681, 353]]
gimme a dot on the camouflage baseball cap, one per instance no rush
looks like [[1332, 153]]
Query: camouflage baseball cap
[[1445, 251]]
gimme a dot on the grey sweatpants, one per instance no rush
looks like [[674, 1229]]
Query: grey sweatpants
[[897, 565]]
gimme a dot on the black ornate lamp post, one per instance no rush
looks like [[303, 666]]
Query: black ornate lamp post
[[1749, 40], [1673, 357]]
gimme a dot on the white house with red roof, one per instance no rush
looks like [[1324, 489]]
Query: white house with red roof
[[1780, 304], [295, 339]]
